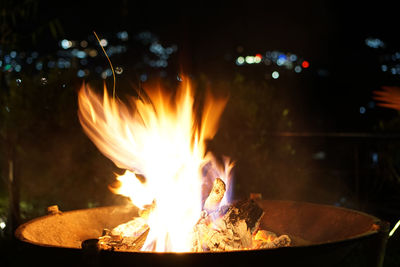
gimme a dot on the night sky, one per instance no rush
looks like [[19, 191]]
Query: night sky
[[329, 34]]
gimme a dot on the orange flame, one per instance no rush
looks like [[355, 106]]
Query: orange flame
[[159, 139], [388, 97]]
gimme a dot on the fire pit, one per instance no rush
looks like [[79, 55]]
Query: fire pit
[[321, 236], [183, 211]]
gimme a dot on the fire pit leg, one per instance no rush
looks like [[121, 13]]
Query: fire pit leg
[[90, 252]]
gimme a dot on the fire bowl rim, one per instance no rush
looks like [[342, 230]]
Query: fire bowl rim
[[382, 227]]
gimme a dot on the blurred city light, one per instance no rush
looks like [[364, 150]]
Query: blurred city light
[[249, 59], [123, 35], [81, 73], [240, 61], [292, 57], [275, 75], [66, 44], [103, 42], [84, 43], [143, 77], [374, 43], [375, 157], [305, 64]]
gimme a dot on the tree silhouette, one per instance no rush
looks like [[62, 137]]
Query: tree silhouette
[[18, 29]]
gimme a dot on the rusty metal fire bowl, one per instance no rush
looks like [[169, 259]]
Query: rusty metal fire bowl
[[321, 235]]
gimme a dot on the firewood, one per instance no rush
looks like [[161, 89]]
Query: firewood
[[281, 241], [134, 228], [246, 210], [216, 195], [128, 236], [228, 228], [122, 243]]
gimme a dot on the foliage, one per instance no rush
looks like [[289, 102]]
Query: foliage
[[20, 24]]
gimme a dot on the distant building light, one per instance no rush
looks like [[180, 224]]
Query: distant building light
[[169, 50], [257, 58], [292, 57], [2, 225], [35, 54], [156, 48], [297, 69], [288, 65], [39, 66], [374, 43], [375, 157], [93, 53], [60, 63], [393, 70], [362, 110], [13, 54], [275, 75], [80, 73], [249, 59], [305, 64], [282, 57], [384, 68], [84, 43], [123, 35], [106, 73], [29, 60], [81, 54], [66, 44], [240, 61], [280, 61], [103, 42], [143, 77], [18, 68], [119, 70]]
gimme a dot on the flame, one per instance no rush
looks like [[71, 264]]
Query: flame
[[160, 139]]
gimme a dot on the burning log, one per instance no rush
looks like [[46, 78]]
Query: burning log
[[267, 239], [226, 228], [133, 228], [122, 243], [128, 236], [216, 195]]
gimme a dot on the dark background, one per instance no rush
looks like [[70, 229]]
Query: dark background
[[313, 136]]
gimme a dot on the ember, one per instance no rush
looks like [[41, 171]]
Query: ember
[[162, 147]]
